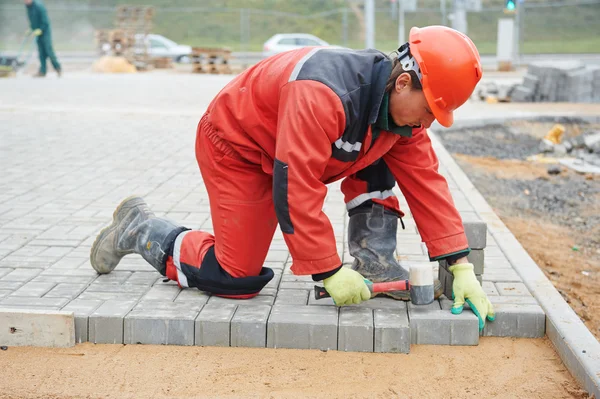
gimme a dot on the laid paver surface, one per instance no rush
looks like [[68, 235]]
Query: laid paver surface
[[72, 149]]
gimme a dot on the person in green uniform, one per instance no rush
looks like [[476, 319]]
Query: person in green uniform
[[40, 27]]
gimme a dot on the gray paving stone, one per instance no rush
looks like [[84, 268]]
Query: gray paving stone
[[268, 292], [476, 257], [489, 288], [392, 330], [107, 296], [356, 330], [33, 303], [192, 295], [163, 292], [143, 278], [117, 288], [160, 324], [82, 309], [115, 277], [297, 285], [257, 300], [106, 322], [475, 230], [303, 327], [249, 326], [381, 302], [516, 300], [501, 275], [10, 285], [5, 271], [36, 290], [21, 275], [65, 290], [274, 283], [312, 301], [292, 297], [512, 289], [429, 326], [4, 293], [524, 321], [213, 325]]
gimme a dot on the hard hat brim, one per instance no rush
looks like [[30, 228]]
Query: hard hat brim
[[444, 117]]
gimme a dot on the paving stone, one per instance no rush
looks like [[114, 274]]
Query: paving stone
[[292, 297], [161, 293], [5, 271], [475, 230], [213, 325], [107, 296], [82, 309], [65, 290], [192, 295], [274, 283], [268, 292], [392, 330], [501, 275], [21, 275], [303, 327], [297, 285], [497, 263], [4, 293], [117, 288], [33, 303], [160, 324], [489, 288], [36, 290], [512, 289], [381, 302], [143, 278], [249, 326], [64, 278], [106, 322], [517, 300], [524, 321], [257, 300], [494, 252], [10, 285], [115, 277], [356, 330], [440, 327]]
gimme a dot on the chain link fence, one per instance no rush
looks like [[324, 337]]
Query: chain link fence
[[565, 27]]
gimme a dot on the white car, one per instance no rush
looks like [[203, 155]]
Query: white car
[[160, 46], [290, 41]]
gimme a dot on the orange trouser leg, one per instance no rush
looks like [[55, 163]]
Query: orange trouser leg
[[243, 218]]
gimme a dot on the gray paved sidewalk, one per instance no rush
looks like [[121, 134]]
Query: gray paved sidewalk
[[66, 165]]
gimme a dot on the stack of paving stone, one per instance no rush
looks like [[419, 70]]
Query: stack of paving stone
[[476, 231], [564, 81]]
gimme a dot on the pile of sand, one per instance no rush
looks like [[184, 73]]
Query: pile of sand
[[112, 64]]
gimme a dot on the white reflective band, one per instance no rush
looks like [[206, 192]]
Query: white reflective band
[[348, 147], [367, 196], [181, 278], [300, 64]]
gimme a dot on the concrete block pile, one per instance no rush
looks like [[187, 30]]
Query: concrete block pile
[[560, 81]]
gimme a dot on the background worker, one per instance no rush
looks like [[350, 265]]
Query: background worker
[[40, 27], [273, 138]]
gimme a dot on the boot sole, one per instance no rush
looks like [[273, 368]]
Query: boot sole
[[105, 231]]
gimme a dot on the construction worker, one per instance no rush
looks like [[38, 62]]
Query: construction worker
[[273, 138], [40, 27]]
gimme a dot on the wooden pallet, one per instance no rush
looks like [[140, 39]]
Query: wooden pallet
[[211, 60]]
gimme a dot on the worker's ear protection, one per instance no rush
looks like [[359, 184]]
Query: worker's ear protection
[[408, 62]]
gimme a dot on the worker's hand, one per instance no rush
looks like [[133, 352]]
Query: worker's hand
[[347, 286], [467, 288], [37, 32]]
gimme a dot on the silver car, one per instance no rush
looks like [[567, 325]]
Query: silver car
[[290, 41]]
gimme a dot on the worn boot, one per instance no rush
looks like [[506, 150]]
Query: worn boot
[[372, 242], [134, 229]]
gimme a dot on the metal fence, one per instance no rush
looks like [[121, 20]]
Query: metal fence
[[565, 27]]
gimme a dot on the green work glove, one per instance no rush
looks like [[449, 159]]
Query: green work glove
[[37, 32], [347, 286], [467, 288]]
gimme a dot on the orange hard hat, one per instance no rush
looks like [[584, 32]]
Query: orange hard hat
[[450, 68]]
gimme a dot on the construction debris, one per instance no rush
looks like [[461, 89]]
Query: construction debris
[[113, 64], [580, 153], [559, 81]]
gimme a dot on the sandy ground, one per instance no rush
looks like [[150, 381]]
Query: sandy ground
[[497, 368]]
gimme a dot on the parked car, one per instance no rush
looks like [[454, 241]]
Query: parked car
[[290, 41], [160, 46]]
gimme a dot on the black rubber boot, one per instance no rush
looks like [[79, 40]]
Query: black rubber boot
[[134, 229], [372, 243]]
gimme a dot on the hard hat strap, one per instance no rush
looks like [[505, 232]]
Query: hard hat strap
[[407, 61]]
